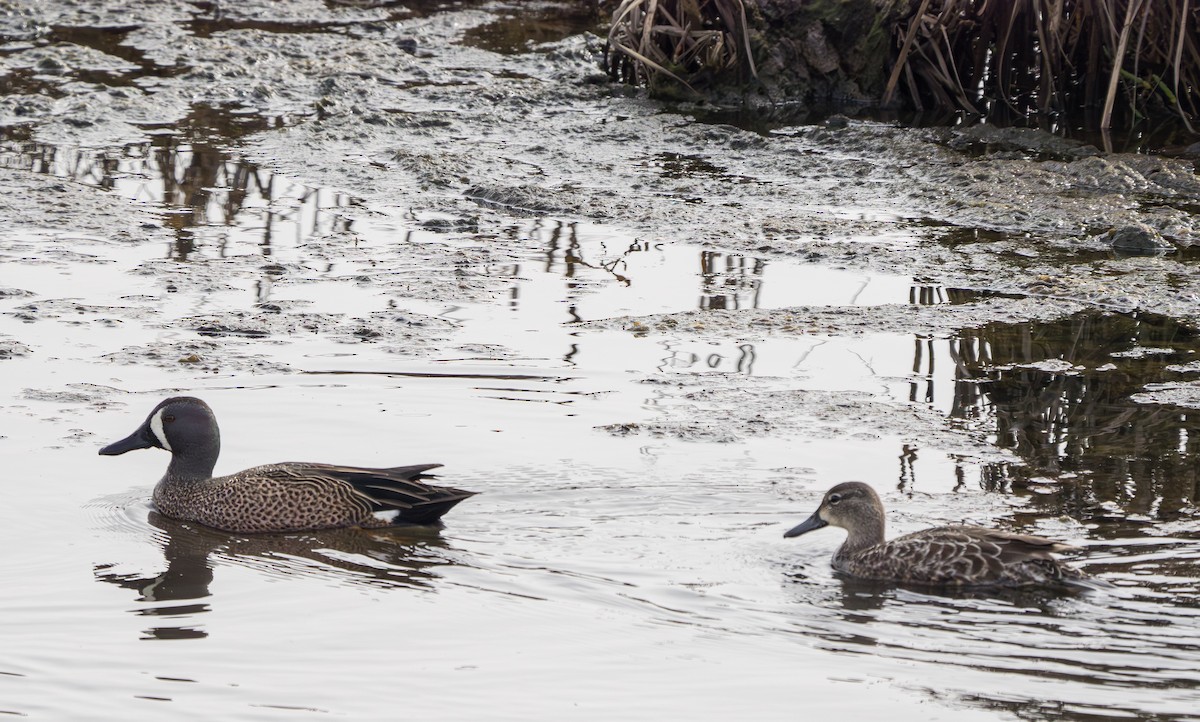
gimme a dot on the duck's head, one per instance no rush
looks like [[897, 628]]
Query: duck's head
[[853, 505], [183, 425]]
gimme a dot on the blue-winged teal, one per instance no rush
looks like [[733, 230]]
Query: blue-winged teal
[[957, 556], [278, 497]]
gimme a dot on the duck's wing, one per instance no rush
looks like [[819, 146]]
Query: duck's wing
[[398, 490], [933, 556], [965, 556], [1019, 546]]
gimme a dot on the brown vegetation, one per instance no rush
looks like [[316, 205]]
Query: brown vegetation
[[1050, 55], [683, 40], [1030, 56]]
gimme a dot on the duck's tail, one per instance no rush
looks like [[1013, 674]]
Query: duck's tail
[[442, 499]]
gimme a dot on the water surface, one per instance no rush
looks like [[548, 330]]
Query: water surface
[[599, 574]]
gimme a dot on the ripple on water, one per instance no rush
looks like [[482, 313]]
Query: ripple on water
[[1110, 650]]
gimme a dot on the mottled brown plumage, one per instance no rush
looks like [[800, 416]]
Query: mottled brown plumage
[[292, 496], [956, 556]]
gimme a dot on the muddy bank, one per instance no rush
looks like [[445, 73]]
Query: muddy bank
[[918, 319], [438, 142], [464, 133]]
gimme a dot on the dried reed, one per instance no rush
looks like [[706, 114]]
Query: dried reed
[[1050, 56], [1102, 57], [683, 40]]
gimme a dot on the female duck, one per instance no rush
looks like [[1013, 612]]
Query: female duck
[[291, 496], [957, 556]]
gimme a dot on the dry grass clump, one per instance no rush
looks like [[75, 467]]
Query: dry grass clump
[[683, 40], [1104, 58], [1051, 55]]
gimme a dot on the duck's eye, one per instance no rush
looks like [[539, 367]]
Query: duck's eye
[[835, 498], [168, 418]]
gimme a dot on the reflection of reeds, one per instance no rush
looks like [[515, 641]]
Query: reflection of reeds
[[684, 40], [730, 281], [1050, 55], [1082, 420]]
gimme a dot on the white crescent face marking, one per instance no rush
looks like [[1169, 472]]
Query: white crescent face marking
[[156, 425]]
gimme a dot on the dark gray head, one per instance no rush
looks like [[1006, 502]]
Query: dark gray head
[[854, 506], [184, 426]]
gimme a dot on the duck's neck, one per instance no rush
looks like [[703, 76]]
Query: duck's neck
[[194, 464], [868, 531]]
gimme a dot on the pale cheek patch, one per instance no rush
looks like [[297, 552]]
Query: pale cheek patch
[[156, 425]]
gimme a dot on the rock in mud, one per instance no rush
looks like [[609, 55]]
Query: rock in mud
[[992, 139], [1138, 238]]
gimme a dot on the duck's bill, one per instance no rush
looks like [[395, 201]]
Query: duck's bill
[[809, 524], [139, 439]]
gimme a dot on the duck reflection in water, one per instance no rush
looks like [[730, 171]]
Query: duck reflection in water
[[407, 557]]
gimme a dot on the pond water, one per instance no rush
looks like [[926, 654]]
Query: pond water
[[624, 558], [597, 574]]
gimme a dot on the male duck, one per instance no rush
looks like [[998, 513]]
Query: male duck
[[955, 556], [290, 496]]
